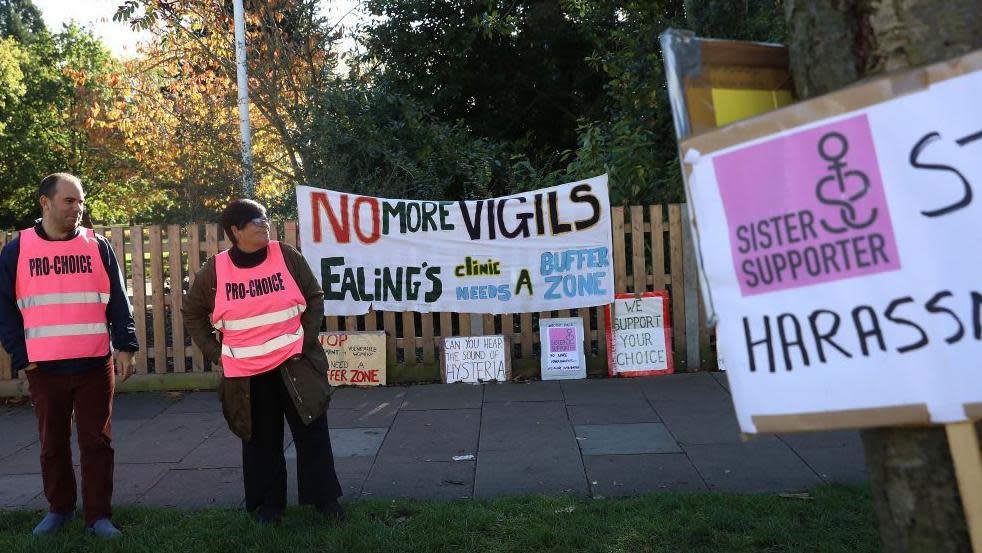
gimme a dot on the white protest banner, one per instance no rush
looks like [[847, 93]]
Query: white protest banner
[[355, 358], [561, 342], [638, 335], [840, 241], [475, 359], [535, 251]]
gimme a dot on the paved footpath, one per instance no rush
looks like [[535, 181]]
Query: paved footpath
[[599, 438]]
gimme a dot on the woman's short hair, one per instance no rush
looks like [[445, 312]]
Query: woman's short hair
[[238, 213]]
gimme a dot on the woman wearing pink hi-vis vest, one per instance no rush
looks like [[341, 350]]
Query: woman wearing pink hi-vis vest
[[256, 309]]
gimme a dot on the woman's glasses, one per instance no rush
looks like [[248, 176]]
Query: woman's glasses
[[258, 221]]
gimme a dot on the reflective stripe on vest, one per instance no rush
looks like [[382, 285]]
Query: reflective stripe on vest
[[260, 320], [72, 297], [262, 349], [65, 330]]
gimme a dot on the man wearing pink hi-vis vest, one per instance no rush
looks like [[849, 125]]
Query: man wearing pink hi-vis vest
[[62, 297]]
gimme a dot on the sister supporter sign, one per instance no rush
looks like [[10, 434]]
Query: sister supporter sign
[[839, 239]]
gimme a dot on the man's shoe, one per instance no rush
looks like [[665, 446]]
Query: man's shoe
[[333, 511], [103, 528], [51, 523]]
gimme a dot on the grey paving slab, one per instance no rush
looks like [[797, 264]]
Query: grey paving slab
[[381, 415], [601, 391], [621, 413], [195, 402], [168, 438], [19, 429], [513, 426], [680, 387], [836, 464], [837, 456], [625, 439], [351, 471], [195, 488], [523, 391], [132, 481], [19, 491], [350, 442], [28, 459], [179, 451], [710, 404], [435, 435], [705, 428], [755, 466], [443, 396], [366, 399], [222, 449], [123, 429], [532, 471], [141, 405], [823, 440], [630, 475], [357, 442], [409, 477]]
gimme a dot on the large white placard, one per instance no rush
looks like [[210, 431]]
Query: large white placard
[[843, 260], [536, 251], [561, 343]]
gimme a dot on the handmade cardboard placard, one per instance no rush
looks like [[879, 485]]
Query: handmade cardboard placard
[[355, 358], [474, 359], [561, 343], [639, 335], [839, 240]]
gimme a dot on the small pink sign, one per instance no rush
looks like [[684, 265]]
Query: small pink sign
[[807, 208], [562, 339]]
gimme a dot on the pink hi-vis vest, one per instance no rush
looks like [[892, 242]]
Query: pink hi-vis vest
[[257, 311], [62, 292]]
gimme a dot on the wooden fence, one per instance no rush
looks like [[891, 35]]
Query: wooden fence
[[650, 253]]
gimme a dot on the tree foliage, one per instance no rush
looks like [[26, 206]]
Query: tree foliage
[[21, 20], [449, 99], [187, 137], [371, 140], [569, 89], [54, 118], [508, 70]]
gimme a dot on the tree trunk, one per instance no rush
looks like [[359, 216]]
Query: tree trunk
[[834, 43]]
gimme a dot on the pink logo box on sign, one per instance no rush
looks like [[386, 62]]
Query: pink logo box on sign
[[562, 339], [807, 208]]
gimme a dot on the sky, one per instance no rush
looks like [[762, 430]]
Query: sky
[[97, 15]]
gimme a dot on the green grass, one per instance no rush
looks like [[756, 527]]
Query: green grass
[[835, 518]]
